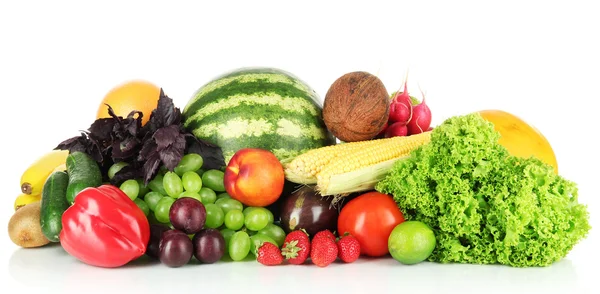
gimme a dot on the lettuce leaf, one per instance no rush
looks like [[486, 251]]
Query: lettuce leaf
[[484, 205]]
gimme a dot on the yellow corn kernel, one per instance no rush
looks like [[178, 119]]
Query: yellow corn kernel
[[304, 168], [361, 169]]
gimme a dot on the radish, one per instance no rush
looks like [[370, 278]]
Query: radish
[[382, 132], [396, 129], [401, 107], [421, 118]]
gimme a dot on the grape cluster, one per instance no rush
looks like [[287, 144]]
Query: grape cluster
[[242, 228]]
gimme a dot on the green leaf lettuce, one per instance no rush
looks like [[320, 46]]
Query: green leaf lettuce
[[484, 205]]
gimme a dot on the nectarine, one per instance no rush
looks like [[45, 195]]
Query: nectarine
[[254, 177]]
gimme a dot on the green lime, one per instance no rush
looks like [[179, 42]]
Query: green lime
[[411, 242]]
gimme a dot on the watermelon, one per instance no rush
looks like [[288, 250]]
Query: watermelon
[[263, 108]]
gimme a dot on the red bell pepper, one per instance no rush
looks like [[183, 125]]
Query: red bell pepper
[[104, 228]]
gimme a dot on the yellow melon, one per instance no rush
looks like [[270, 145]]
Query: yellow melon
[[520, 138]]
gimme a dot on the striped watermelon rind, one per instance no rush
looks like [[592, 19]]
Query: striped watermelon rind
[[264, 108]]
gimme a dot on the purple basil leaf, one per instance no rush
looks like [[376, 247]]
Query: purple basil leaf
[[125, 149], [83, 143], [126, 173], [102, 128], [150, 167], [148, 149], [165, 110], [112, 113], [211, 153], [133, 124], [166, 136], [171, 155], [70, 144], [95, 151], [165, 114]]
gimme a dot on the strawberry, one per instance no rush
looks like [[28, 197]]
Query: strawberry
[[269, 254], [296, 247], [348, 248], [323, 251], [324, 233]]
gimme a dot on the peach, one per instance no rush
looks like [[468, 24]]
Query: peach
[[254, 177]]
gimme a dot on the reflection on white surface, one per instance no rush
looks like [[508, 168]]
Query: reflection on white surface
[[52, 268]]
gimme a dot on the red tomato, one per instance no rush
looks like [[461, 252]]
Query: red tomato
[[370, 218]]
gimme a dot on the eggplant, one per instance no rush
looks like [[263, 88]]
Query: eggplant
[[306, 209]]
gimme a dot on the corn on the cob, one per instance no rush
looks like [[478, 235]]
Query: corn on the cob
[[303, 169], [356, 167]]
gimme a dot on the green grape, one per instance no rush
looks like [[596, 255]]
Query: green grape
[[172, 184], [189, 162], [223, 195], [250, 232], [248, 209], [213, 179], [227, 233], [207, 195], [131, 188], [275, 232], [256, 219], [162, 209], [142, 205], [228, 204], [200, 172], [191, 181], [270, 215], [239, 245], [152, 199], [191, 195], [115, 168], [143, 188], [257, 240], [156, 185], [214, 216], [234, 219], [152, 219]]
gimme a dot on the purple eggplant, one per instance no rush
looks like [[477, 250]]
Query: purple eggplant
[[306, 209]]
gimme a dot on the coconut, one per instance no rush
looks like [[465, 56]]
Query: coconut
[[356, 107]]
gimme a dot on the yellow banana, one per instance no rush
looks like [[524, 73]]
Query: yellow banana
[[34, 177], [25, 199]]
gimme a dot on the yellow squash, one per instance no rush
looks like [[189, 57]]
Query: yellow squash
[[520, 138], [35, 175]]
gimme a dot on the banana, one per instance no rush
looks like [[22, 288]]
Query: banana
[[25, 199], [36, 174]]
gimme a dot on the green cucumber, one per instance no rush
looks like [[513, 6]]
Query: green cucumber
[[54, 203], [83, 173]]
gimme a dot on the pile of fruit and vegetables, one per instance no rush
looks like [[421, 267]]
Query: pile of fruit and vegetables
[[257, 167]]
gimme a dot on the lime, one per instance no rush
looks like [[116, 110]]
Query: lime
[[411, 242]]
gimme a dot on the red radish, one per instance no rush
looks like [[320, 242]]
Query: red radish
[[401, 107], [382, 132], [396, 129], [421, 119]]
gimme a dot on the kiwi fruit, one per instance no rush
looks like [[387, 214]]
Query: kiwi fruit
[[24, 227]]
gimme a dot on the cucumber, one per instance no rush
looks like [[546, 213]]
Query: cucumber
[[83, 172], [54, 203]]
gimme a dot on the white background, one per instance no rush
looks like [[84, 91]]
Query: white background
[[538, 60]]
